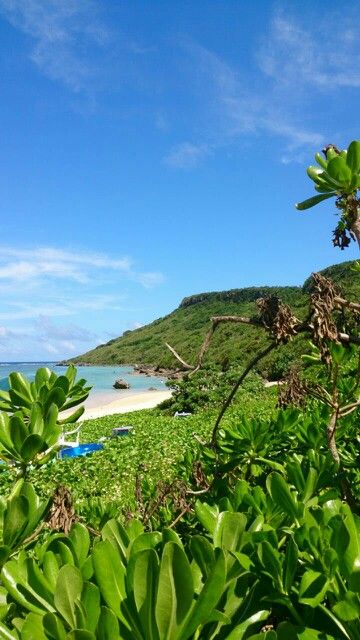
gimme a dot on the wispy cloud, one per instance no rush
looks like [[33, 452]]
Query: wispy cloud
[[149, 279], [63, 33], [46, 336], [52, 263], [295, 54], [187, 155], [294, 61], [231, 110], [66, 305], [52, 297]]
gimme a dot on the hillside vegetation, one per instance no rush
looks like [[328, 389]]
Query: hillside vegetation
[[185, 328]]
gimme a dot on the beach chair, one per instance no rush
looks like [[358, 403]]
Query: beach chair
[[122, 430], [63, 442]]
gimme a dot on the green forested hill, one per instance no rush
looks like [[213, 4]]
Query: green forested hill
[[185, 328]]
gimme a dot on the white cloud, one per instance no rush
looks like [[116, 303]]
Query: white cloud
[[231, 108], [23, 270], [46, 328], [63, 32], [47, 263], [67, 307], [59, 301], [294, 54], [43, 335], [150, 279], [187, 155], [50, 348]]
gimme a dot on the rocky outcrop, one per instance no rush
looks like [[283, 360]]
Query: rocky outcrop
[[121, 384], [156, 371]]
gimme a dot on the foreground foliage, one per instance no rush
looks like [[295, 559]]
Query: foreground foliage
[[251, 533], [264, 546], [278, 557]]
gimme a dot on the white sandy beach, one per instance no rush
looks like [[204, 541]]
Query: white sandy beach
[[124, 404]]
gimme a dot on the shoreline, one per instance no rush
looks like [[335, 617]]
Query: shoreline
[[131, 402], [150, 370]]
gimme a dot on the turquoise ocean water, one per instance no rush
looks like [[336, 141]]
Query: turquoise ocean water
[[101, 378]]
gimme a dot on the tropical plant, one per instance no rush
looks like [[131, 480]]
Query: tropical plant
[[29, 418], [338, 175], [64, 391], [21, 517], [133, 585]]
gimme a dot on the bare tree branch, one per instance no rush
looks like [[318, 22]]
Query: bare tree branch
[[344, 411], [185, 364]]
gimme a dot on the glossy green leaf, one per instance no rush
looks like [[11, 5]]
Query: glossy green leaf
[[207, 515], [32, 628], [63, 383], [281, 494], [321, 160], [338, 169], [290, 564], [14, 578], [110, 575], [15, 519], [311, 202], [68, 589], [353, 156], [19, 400], [145, 584], [117, 535], [73, 417], [288, 631], [32, 445], [90, 601], [349, 608], [228, 530], [148, 540], [20, 384], [270, 559], [53, 626], [314, 173], [310, 485], [312, 588], [80, 539], [55, 396], [242, 630], [18, 431], [203, 554], [42, 376], [36, 418], [175, 591], [39, 581], [207, 599], [108, 626], [50, 568]]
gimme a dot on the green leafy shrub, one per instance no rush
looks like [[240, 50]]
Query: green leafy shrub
[[208, 387], [29, 415]]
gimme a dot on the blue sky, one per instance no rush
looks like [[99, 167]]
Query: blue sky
[[151, 150]]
